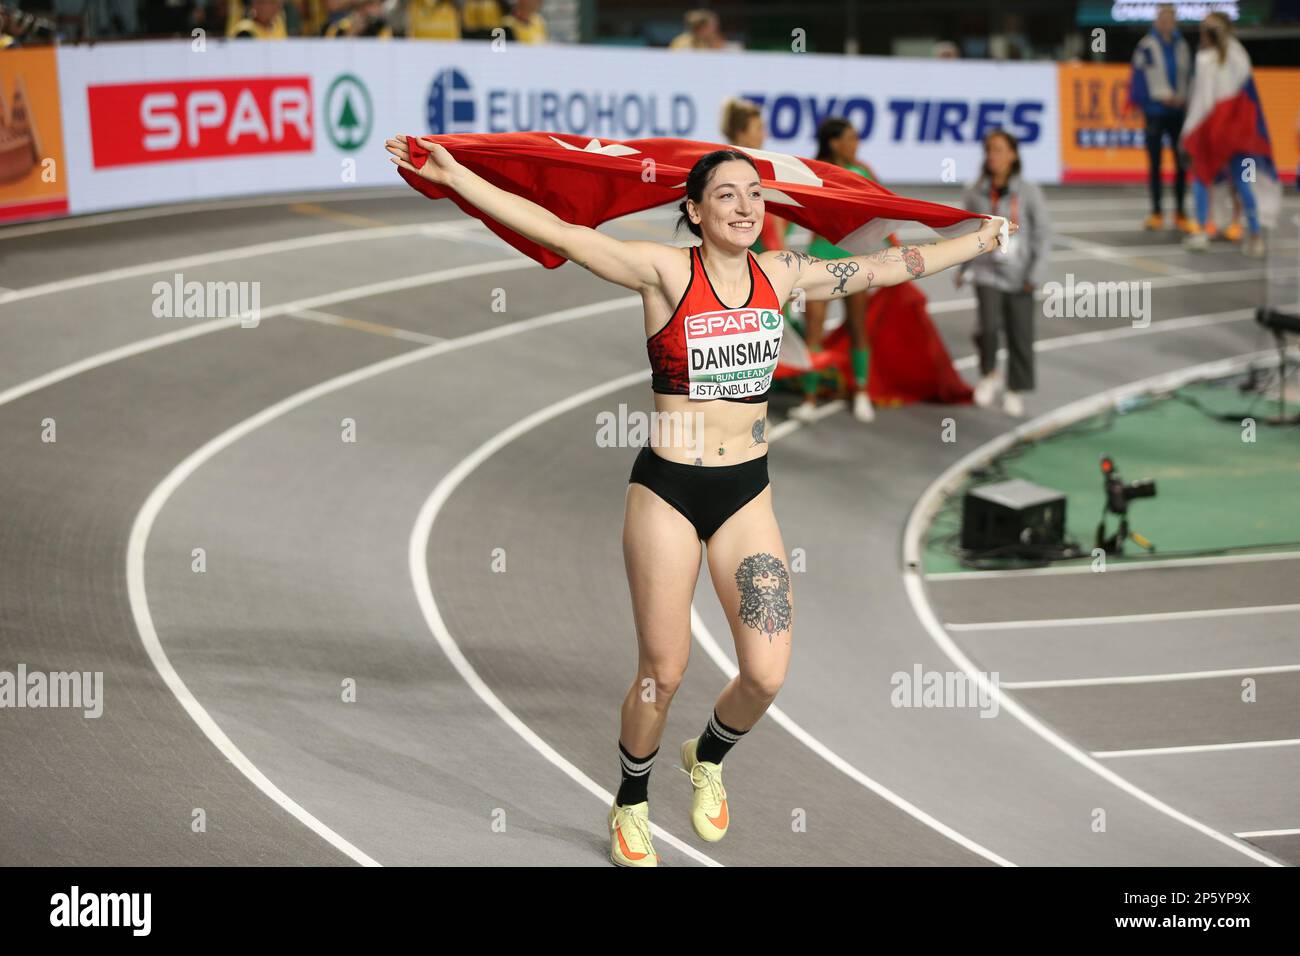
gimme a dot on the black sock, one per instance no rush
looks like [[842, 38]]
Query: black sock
[[636, 777], [716, 740]]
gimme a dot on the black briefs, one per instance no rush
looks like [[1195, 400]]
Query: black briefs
[[707, 495]]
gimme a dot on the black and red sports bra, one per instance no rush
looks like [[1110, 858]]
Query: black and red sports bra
[[707, 350]]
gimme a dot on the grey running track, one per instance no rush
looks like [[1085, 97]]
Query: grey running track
[[410, 648]]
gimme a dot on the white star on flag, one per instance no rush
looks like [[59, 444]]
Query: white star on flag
[[593, 146]]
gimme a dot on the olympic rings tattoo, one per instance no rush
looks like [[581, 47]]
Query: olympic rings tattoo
[[843, 271]]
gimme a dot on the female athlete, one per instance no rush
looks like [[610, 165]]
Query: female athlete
[[722, 304]]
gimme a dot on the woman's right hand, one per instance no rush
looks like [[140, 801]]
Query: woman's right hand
[[440, 168]]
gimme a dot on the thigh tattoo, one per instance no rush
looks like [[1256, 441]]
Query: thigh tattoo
[[764, 587]]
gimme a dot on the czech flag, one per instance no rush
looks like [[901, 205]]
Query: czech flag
[[589, 181], [1225, 133]]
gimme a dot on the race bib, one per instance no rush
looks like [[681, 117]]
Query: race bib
[[732, 353]]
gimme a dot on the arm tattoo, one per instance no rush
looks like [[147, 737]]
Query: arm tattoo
[[842, 269], [913, 261], [980, 240], [909, 256], [757, 431], [764, 586], [795, 260]]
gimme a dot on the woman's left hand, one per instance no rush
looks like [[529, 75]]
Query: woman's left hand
[[989, 231]]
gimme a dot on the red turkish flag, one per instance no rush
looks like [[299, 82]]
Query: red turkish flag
[[588, 181]]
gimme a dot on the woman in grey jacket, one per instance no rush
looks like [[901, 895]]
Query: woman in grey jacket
[[1004, 284]]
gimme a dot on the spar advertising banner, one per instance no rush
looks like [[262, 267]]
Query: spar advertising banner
[[32, 176], [158, 122], [1101, 142], [154, 122]]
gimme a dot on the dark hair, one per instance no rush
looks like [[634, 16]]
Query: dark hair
[[699, 177], [1015, 148], [832, 127]]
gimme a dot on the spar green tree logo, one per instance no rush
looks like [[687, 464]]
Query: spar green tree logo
[[349, 116]]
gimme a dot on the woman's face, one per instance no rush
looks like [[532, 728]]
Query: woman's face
[[731, 209], [845, 146], [998, 156], [751, 137], [1210, 28]]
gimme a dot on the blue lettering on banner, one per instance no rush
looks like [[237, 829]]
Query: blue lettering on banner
[[1109, 138], [988, 118], [612, 115], [785, 116], [790, 116], [1028, 127]]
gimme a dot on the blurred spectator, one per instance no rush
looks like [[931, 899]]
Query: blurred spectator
[[1004, 284], [315, 15], [1162, 68], [432, 20], [945, 50], [524, 23], [701, 33], [168, 17], [332, 12], [480, 18], [111, 18], [742, 125], [1221, 77], [837, 142], [364, 19], [265, 20], [11, 30]]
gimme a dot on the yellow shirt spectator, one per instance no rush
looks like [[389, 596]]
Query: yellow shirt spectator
[[534, 31], [432, 20], [273, 31], [481, 15]]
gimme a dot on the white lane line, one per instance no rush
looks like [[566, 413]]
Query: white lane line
[[1102, 225], [927, 506], [1149, 678], [1048, 622], [1159, 282], [162, 212], [418, 547], [276, 247], [1087, 248], [1113, 566], [1195, 749], [719, 657], [310, 303], [1247, 834], [328, 318], [158, 498]]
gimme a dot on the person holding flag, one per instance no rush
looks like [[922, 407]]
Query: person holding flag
[[1226, 136], [713, 334]]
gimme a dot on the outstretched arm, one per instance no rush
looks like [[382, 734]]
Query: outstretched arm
[[833, 278], [632, 264]]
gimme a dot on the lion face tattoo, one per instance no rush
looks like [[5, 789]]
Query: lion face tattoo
[[764, 587]]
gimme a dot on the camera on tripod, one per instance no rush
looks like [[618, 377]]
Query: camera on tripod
[[1118, 495]]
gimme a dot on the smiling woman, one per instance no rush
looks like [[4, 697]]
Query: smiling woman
[[713, 330]]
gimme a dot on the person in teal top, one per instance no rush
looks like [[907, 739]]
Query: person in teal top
[[837, 142]]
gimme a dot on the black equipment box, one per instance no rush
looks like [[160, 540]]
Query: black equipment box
[[1011, 514]]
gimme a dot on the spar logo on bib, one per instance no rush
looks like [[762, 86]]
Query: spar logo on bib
[[732, 353]]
